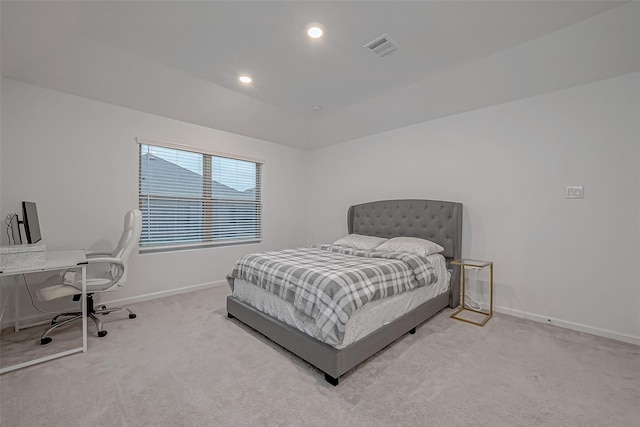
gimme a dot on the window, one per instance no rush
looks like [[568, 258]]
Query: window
[[189, 198]]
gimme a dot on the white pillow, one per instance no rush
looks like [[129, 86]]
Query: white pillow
[[360, 241], [414, 245]]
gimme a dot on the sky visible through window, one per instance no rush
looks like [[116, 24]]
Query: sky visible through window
[[236, 174]]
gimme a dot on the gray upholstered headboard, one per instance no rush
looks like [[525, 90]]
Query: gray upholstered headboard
[[435, 220]]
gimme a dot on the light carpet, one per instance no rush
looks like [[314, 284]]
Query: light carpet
[[182, 362]]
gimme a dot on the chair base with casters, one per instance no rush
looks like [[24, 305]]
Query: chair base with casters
[[92, 312]]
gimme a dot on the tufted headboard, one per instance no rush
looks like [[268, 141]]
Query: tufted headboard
[[435, 220]]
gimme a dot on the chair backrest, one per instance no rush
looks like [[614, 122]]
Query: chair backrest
[[128, 240]]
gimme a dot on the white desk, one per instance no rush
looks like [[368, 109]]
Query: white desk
[[56, 260]]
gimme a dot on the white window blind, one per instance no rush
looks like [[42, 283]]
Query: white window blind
[[189, 198]]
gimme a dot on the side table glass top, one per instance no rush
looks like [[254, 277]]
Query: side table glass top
[[471, 262]]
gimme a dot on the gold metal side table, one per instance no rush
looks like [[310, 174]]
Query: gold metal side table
[[463, 263]]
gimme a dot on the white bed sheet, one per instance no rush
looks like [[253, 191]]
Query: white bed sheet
[[367, 319]]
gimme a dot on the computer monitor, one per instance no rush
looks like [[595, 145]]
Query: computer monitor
[[31, 223]]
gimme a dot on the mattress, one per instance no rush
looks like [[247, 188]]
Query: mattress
[[365, 320]]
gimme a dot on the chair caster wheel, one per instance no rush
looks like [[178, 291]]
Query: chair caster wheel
[[102, 333], [132, 316], [45, 340]]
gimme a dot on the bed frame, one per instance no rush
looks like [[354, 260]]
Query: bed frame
[[438, 221]]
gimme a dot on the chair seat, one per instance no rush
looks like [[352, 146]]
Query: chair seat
[[55, 291]]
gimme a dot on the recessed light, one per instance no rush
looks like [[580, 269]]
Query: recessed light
[[316, 107], [245, 79], [315, 31]]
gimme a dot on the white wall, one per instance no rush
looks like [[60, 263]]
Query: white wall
[[508, 164], [572, 261], [78, 159]]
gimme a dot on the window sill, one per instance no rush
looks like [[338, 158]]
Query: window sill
[[174, 248]]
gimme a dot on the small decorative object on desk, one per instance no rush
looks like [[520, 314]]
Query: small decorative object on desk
[[478, 265]]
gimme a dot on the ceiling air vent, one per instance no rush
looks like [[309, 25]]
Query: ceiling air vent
[[382, 46]]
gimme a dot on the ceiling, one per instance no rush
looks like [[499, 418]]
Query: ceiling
[[181, 59]]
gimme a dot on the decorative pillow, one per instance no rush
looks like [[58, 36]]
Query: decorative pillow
[[360, 241], [414, 245]]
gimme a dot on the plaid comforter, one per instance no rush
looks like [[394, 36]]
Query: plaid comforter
[[328, 283]]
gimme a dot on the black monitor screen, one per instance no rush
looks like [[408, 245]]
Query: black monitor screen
[[31, 223]]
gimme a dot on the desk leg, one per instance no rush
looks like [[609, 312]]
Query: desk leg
[[84, 308], [16, 300]]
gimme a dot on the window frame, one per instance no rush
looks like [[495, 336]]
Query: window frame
[[207, 154]]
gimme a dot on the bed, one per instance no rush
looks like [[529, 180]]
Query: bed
[[437, 221]]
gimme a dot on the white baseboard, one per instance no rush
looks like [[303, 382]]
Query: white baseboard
[[162, 294], [569, 325], [36, 319], [40, 318]]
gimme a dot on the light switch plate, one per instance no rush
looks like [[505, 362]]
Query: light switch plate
[[574, 192]]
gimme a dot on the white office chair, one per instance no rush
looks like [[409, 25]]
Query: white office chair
[[105, 272]]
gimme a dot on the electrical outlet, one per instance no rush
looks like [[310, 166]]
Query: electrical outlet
[[574, 192]]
